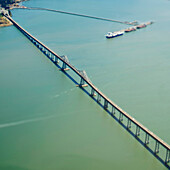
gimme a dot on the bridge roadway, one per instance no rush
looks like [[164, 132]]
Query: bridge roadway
[[165, 159]]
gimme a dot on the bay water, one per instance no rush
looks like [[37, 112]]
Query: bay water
[[46, 122]]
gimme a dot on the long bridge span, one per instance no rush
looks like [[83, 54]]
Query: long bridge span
[[159, 148]]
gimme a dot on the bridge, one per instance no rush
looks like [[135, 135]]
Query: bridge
[[159, 148]]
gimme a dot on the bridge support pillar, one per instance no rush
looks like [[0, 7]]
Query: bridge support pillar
[[167, 159], [146, 139], [113, 111], [56, 60], [41, 48], [64, 67], [46, 52], [49, 55], [82, 83], [92, 92], [137, 131], [120, 117], [53, 57], [98, 98], [105, 104], [128, 124], [156, 147]]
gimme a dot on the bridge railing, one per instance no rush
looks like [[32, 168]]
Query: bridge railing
[[140, 132]]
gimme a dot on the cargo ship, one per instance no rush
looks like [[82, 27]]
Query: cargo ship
[[114, 34]]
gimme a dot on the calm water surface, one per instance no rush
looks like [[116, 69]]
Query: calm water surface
[[48, 123]]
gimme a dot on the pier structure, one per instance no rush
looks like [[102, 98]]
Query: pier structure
[[80, 15], [159, 148]]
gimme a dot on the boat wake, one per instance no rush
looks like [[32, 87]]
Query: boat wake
[[5, 125], [63, 93]]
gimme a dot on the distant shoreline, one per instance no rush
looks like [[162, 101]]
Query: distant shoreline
[[9, 5], [4, 22], [16, 4]]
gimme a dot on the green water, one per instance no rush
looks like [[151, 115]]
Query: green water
[[48, 123]]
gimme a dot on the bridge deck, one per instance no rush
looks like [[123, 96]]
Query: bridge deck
[[160, 141]]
